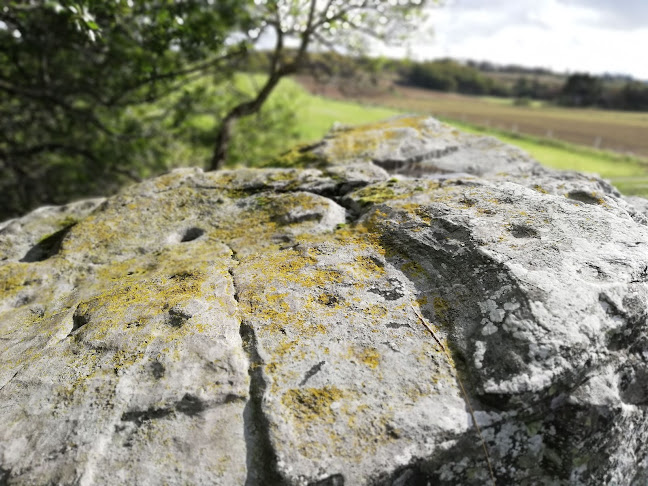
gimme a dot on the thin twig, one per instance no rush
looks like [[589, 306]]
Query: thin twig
[[463, 391], [429, 328]]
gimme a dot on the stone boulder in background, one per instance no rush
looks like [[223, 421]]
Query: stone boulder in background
[[315, 324]]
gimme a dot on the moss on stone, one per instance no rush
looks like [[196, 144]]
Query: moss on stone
[[299, 157], [375, 194], [441, 310]]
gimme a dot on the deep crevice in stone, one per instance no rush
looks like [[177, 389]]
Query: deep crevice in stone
[[261, 458], [5, 474], [188, 405], [230, 270]]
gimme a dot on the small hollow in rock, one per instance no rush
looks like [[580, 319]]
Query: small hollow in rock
[[47, 247], [585, 197], [523, 231], [192, 234]]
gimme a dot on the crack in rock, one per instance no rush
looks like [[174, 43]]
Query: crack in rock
[[261, 457], [9, 381], [5, 475], [408, 164]]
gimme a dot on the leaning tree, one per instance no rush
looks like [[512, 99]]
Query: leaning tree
[[299, 25], [81, 81]]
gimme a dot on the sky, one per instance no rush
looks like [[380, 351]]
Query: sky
[[596, 36]]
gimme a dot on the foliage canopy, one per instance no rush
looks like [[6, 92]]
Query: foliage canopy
[[75, 79], [93, 94]]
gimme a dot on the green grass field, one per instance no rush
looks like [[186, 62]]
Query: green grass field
[[315, 116], [629, 174]]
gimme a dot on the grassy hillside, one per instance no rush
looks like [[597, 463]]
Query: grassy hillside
[[314, 116], [629, 174], [289, 117]]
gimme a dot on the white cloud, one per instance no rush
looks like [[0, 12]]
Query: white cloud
[[564, 35], [617, 14]]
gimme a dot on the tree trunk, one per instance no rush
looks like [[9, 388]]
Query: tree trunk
[[248, 108], [223, 138], [277, 71]]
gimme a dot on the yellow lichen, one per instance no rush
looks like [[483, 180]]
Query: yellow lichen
[[413, 268], [540, 189], [309, 404], [375, 194], [367, 356], [14, 276]]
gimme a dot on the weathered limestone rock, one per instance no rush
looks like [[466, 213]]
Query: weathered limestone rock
[[262, 326]]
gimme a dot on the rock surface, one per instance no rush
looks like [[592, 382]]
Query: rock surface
[[270, 326]]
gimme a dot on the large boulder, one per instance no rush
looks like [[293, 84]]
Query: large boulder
[[401, 304]]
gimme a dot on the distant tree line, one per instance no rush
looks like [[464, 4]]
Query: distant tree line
[[584, 90], [577, 90], [449, 75], [479, 78]]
